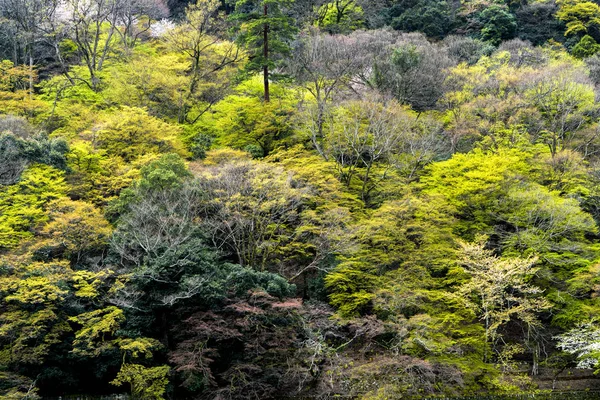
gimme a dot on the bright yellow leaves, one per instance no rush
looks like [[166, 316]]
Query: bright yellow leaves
[[130, 133], [579, 15], [76, 228], [97, 330], [145, 382], [23, 205]]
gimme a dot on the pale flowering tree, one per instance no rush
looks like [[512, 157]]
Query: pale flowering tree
[[134, 18], [499, 293], [584, 342], [161, 28]]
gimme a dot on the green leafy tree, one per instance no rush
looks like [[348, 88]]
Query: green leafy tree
[[397, 251], [75, 229], [266, 31], [498, 24], [582, 17], [213, 60], [130, 133], [243, 121], [24, 205], [340, 16], [144, 382], [433, 18], [32, 312], [586, 47]]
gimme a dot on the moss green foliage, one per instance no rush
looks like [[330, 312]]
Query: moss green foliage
[[145, 383], [24, 204], [243, 121], [402, 212], [340, 16], [586, 47], [433, 18], [580, 16]]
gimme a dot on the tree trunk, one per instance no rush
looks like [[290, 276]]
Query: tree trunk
[[266, 55], [30, 73]]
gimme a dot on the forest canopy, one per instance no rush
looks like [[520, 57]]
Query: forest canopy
[[256, 199]]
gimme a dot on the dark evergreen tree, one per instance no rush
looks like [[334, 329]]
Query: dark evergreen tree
[[266, 31]]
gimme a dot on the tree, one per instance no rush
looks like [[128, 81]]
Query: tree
[[565, 100], [161, 239], [135, 17], [266, 31], [23, 205], [340, 16], [144, 382], [211, 57], [413, 72], [472, 184], [500, 292], [582, 17], [264, 331], [32, 312], [75, 229], [16, 99], [252, 211], [465, 49], [537, 23], [433, 18], [582, 341], [498, 24], [30, 18], [130, 133], [422, 144], [363, 135], [94, 24], [399, 247], [542, 221], [326, 66], [245, 122], [586, 47]]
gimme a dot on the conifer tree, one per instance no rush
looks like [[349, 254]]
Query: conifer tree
[[266, 31]]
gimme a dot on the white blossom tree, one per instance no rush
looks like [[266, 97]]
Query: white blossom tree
[[584, 342]]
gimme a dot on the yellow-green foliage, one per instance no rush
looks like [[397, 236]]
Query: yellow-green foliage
[[340, 16], [242, 119], [152, 80], [469, 181], [144, 382], [24, 205], [75, 227], [31, 321], [95, 176], [87, 284], [358, 205], [579, 15], [97, 330], [107, 156], [129, 133], [402, 240]]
